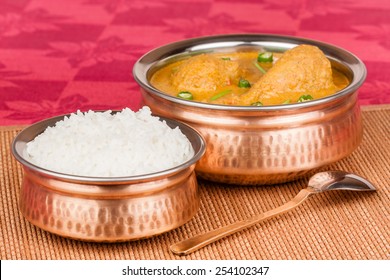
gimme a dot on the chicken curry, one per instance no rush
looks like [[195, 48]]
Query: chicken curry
[[252, 78]]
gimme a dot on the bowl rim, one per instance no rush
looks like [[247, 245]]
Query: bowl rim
[[21, 139], [148, 60]]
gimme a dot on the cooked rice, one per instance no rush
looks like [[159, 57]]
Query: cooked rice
[[101, 144]]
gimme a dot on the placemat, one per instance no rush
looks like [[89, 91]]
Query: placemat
[[334, 225]]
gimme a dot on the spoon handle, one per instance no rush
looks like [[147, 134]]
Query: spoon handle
[[190, 245]]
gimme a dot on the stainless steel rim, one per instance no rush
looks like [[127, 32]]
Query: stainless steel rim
[[29, 133], [267, 41]]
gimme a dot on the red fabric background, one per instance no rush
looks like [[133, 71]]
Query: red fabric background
[[60, 56]]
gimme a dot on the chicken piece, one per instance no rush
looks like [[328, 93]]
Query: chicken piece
[[300, 70], [205, 73]]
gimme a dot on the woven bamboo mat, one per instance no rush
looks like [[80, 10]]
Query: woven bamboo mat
[[333, 225]]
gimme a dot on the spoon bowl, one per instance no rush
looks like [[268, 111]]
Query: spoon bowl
[[338, 180]]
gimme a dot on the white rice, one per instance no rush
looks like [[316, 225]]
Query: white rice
[[101, 144]]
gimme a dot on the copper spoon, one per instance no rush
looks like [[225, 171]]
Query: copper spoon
[[320, 182]]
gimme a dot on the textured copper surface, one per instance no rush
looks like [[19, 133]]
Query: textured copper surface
[[262, 145], [269, 147], [99, 214]]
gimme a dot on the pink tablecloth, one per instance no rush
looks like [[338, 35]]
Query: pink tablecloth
[[60, 56]]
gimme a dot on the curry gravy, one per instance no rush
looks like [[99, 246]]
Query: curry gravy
[[215, 78]]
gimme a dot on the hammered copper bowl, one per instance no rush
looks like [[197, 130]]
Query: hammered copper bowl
[[269, 144], [103, 209]]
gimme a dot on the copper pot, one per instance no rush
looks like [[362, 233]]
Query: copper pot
[[106, 209], [269, 144]]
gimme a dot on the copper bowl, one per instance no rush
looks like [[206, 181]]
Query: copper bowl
[[269, 144], [104, 209]]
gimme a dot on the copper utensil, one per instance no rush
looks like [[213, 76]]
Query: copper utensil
[[108, 209], [320, 182], [251, 145]]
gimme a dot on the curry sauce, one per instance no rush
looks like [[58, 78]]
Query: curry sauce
[[245, 78]]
